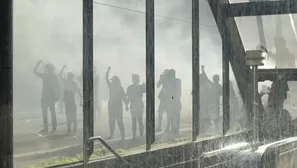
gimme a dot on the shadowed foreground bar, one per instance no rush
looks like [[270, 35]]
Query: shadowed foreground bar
[[6, 123]]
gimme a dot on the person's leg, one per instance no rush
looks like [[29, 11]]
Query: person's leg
[[140, 123], [53, 115], [68, 118], [111, 125], [44, 108], [134, 126], [74, 118], [169, 122], [121, 127], [160, 117], [120, 121]]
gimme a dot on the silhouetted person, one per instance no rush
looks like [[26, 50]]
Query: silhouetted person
[[115, 104], [134, 97], [173, 99], [205, 101], [50, 94], [61, 97], [217, 93], [283, 57], [71, 89], [163, 81], [277, 96]]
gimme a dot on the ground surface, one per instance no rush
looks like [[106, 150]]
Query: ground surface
[[28, 144]]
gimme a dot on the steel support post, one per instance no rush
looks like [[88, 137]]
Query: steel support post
[[88, 122], [150, 73], [255, 107], [195, 70], [6, 84]]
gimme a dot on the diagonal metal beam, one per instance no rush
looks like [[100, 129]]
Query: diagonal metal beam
[[233, 52], [262, 8]]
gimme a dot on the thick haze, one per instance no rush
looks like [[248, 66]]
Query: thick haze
[[51, 30]]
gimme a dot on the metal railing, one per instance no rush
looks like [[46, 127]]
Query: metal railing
[[105, 144]]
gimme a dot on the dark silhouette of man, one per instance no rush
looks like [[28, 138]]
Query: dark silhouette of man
[[115, 104], [71, 89], [173, 101], [217, 93], [205, 101], [283, 57], [163, 81], [50, 94], [276, 98], [134, 97]]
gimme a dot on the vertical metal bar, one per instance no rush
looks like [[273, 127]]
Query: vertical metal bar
[[226, 84], [88, 123], [6, 84], [150, 73], [195, 69], [255, 107]]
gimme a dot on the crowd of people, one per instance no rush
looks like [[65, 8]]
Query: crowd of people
[[131, 99]]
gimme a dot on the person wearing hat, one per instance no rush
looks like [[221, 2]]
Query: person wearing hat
[[134, 97], [115, 104], [50, 94]]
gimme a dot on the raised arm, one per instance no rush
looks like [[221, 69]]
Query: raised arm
[[107, 77], [160, 81], [61, 73], [202, 68], [35, 70]]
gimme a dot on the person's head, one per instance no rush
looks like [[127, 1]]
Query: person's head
[[115, 81], [49, 69], [165, 71], [171, 73], [70, 76], [216, 78], [135, 79], [281, 75], [279, 42]]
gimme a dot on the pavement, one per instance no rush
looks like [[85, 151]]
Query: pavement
[[30, 147]]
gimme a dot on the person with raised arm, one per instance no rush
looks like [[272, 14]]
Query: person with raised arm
[[71, 89], [50, 94], [115, 104]]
